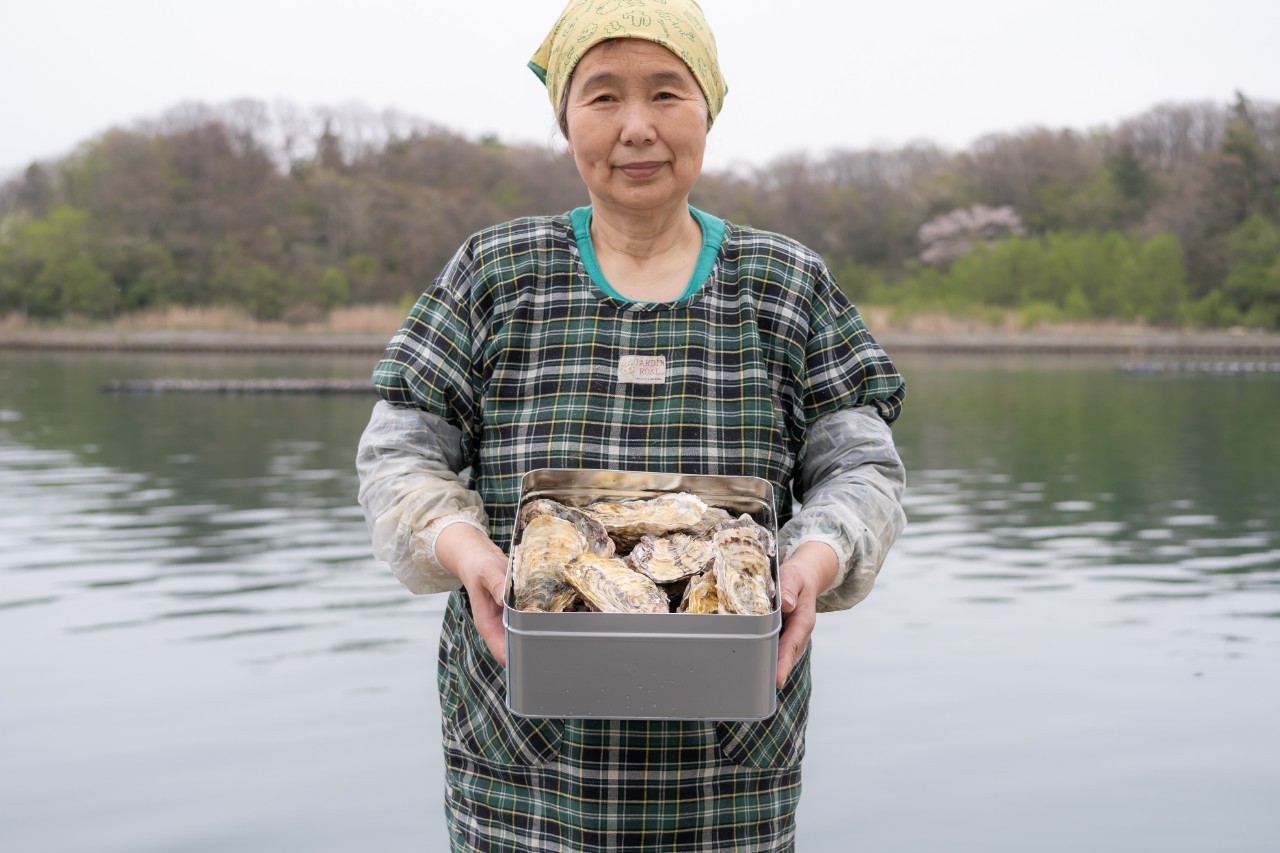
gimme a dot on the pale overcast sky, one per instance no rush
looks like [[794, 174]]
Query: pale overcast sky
[[803, 75]]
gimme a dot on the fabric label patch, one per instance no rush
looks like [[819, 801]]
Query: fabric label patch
[[642, 369]]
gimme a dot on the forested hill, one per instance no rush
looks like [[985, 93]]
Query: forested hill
[[1172, 217]]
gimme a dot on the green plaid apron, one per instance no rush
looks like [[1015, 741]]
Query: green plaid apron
[[518, 347]]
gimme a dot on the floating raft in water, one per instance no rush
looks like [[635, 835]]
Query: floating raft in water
[[238, 386], [1206, 368]]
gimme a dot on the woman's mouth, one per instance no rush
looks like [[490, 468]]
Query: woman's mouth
[[640, 171]]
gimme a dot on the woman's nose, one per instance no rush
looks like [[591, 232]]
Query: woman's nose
[[637, 125]]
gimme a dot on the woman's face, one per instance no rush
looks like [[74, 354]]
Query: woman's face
[[637, 126]]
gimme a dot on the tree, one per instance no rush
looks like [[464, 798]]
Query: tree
[[1134, 183], [1252, 285], [332, 290], [1156, 287], [53, 267]]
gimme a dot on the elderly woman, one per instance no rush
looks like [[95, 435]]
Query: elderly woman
[[516, 357]]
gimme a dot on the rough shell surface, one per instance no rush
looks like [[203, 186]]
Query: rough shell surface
[[628, 521], [547, 544], [744, 581], [700, 595], [746, 522], [610, 586], [667, 559], [740, 592], [713, 516], [593, 532]]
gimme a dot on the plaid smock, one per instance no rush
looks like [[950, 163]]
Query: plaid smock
[[519, 345]]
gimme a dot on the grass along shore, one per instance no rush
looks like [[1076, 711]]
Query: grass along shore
[[362, 329]]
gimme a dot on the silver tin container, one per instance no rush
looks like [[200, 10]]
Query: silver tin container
[[633, 666]]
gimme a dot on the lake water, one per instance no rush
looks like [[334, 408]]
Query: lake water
[[1075, 646]]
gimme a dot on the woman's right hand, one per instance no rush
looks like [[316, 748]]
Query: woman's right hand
[[482, 568]]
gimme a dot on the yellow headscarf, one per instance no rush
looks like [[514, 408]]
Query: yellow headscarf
[[677, 25]]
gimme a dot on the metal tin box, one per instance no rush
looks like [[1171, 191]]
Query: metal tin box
[[634, 666]]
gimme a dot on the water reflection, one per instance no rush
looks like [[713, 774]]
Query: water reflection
[[1008, 544], [1146, 498], [218, 535]]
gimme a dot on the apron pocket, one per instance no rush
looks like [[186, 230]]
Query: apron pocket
[[778, 742], [477, 710]]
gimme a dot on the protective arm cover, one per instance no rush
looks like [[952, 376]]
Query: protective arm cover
[[408, 461], [852, 481], [851, 476]]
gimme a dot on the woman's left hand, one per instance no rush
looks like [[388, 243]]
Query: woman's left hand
[[809, 572]]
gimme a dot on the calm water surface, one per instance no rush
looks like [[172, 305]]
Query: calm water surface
[[1075, 645]]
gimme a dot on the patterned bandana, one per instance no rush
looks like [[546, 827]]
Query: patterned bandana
[[677, 25]]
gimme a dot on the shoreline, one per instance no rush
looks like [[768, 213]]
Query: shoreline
[[1128, 343]]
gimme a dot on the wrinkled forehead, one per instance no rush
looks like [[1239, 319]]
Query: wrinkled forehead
[[629, 60]]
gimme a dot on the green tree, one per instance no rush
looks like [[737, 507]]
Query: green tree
[[362, 271], [332, 290], [264, 291], [1252, 285], [1156, 286], [1128, 174], [53, 267], [146, 275]]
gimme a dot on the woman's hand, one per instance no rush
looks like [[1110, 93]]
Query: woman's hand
[[810, 571], [482, 568]]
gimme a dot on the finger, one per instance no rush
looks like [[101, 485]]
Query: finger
[[796, 630], [792, 642], [791, 586], [788, 599], [496, 582], [488, 619], [785, 662]]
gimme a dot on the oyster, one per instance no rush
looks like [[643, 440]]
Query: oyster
[[668, 559], [744, 581], [547, 543], [700, 595], [607, 584], [713, 516], [746, 522], [593, 532], [628, 521]]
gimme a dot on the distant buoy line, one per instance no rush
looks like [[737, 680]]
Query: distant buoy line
[[1206, 368], [238, 386]]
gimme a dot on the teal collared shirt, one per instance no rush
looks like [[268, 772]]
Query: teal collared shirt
[[712, 237]]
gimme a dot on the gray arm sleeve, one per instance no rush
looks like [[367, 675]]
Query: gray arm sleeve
[[853, 480], [409, 463]]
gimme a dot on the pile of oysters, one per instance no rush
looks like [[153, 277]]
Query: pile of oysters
[[671, 553]]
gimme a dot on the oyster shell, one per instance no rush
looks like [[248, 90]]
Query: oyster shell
[[547, 543], [593, 532], [746, 522], [609, 585], [744, 581], [667, 559], [713, 516], [628, 521], [739, 592], [700, 596]]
